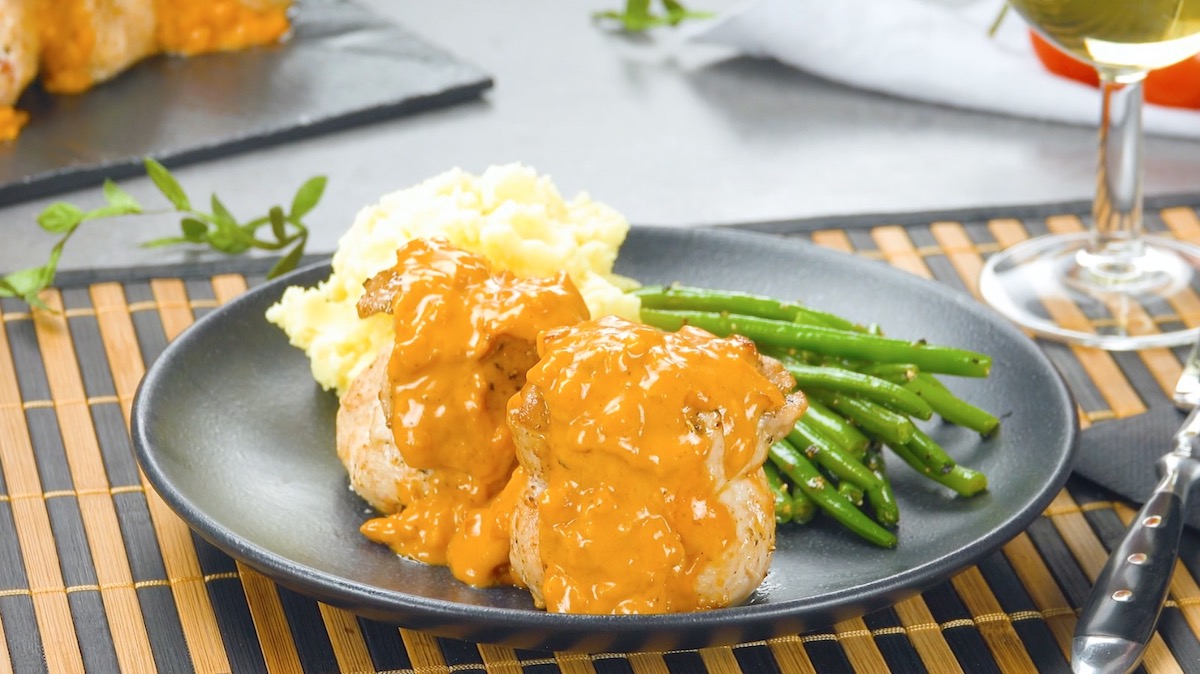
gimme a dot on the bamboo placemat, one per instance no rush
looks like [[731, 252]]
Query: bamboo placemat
[[98, 575]]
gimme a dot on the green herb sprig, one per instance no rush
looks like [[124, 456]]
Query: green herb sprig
[[638, 15], [219, 230]]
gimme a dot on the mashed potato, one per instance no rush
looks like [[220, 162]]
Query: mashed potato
[[509, 214]]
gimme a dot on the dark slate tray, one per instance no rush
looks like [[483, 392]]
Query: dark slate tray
[[343, 66]]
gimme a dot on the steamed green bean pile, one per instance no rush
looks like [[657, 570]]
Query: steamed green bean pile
[[864, 390]]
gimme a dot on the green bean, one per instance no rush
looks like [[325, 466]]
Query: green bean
[[779, 489], [882, 498], [786, 356], [874, 460], [875, 420], [803, 474], [931, 455], [828, 341], [952, 408], [732, 302], [829, 456], [793, 356], [804, 509], [873, 388], [861, 389], [835, 427], [963, 480], [897, 373], [851, 492]]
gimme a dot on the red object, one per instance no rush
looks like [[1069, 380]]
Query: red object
[[1175, 86]]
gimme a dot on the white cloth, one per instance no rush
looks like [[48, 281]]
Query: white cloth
[[936, 51]]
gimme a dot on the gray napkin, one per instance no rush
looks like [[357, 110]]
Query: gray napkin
[[1120, 454]]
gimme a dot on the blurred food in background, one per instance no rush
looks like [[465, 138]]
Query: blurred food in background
[[1176, 86], [72, 45]]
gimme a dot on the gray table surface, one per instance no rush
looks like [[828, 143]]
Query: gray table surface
[[668, 134]]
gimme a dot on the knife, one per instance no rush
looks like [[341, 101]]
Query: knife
[[1123, 608]]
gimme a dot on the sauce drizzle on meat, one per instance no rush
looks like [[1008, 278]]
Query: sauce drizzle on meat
[[465, 337], [608, 466], [644, 451]]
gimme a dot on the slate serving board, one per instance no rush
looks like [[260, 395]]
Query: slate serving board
[[343, 66]]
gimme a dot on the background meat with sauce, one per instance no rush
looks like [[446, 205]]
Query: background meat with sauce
[[75, 44]]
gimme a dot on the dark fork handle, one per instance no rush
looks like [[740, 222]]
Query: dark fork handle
[[1123, 608]]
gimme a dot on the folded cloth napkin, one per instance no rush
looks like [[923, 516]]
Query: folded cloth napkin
[[1120, 454], [936, 51]]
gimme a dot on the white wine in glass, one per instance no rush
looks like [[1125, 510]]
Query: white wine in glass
[[1115, 274]]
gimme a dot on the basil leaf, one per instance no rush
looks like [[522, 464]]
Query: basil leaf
[[106, 212], [637, 15], [26, 282], [120, 200], [307, 197], [221, 215], [278, 227], [227, 241], [194, 231], [229, 236], [165, 241], [7, 289], [166, 183], [60, 217], [640, 9], [288, 262]]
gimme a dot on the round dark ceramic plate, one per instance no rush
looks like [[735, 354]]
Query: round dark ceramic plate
[[232, 431]]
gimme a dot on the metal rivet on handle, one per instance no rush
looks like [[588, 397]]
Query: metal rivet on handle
[[1138, 558], [1152, 521], [1123, 595]]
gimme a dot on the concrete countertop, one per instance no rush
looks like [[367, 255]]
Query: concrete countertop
[[667, 133]]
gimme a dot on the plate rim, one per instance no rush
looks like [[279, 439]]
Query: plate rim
[[691, 630]]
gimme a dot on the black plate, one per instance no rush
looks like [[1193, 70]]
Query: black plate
[[232, 431]]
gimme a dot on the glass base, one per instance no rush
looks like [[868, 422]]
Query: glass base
[[1039, 285]]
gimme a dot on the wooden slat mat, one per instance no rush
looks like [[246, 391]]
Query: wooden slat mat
[[96, 574]]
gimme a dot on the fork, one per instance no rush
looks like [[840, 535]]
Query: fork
[[1122, 610]]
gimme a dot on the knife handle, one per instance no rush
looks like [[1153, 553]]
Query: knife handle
[[1122, 610]]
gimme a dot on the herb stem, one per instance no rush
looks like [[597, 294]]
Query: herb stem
[[218, 230]]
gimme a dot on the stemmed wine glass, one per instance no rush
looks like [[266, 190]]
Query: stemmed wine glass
[[1114, 273]]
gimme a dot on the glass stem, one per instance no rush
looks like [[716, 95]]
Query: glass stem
[[1111, 257]]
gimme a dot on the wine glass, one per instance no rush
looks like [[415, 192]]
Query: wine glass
[[1114, 274]]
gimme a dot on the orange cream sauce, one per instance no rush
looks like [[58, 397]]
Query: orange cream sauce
[[68, 38], [11, 121], [465, 336], [630, 516], [189, 27]]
